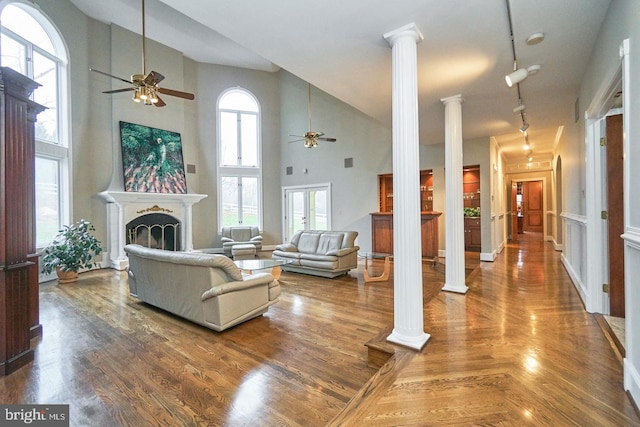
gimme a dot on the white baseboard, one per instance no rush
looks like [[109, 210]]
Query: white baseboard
[[632, 381], [488, 257], [575, 279]]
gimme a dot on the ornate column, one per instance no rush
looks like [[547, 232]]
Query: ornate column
[[454, 221], [408, 320]]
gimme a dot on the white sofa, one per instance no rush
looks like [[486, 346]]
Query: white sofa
[[319, 252], [207, 289]]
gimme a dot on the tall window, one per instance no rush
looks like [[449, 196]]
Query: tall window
[[239, 162], [32, 46]]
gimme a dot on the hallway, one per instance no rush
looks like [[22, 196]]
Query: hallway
[[518, 348]]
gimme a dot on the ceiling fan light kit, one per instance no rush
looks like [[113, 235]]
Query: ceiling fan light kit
[[311, 138], [145, 86]]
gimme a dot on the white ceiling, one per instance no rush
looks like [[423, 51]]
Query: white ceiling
[[338, 46]]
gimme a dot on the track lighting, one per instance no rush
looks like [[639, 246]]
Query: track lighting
[[524, 127], [518, 108], [520, 74]]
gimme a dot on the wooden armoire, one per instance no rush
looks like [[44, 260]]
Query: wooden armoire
[[19, 304]]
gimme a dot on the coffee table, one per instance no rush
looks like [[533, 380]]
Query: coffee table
[[251, 265]]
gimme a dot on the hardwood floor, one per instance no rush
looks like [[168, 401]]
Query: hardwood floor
[[517, 349]]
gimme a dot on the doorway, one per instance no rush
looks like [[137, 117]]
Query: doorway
[[306, 208], [526, 208]]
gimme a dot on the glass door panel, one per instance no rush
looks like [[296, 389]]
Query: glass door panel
[[306, 208]]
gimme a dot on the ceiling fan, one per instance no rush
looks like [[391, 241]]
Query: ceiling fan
[[145, 86], [311, 138]]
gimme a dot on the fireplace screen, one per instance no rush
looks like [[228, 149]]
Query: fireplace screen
[[156, 230]]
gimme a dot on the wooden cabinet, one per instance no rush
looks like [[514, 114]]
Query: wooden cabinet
[[385, 191], [382, 233], [471, 186], [382, 222], [18, 262], [472, 234], [471, 196]]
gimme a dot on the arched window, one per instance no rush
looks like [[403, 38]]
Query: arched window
[[32, 46], [239, 159]]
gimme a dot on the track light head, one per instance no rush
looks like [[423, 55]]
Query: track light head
[[524, 127], [520, 74], [518, 108], [516, 77]]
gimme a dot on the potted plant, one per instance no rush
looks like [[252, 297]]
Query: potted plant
[[73, 248]]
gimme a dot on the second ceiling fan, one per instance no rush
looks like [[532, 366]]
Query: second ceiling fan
[[311, 138], [145, 86]]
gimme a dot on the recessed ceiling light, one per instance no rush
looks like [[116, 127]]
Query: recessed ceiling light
[[534, 39]]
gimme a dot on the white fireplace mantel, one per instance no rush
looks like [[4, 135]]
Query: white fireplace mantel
[[124, 206]]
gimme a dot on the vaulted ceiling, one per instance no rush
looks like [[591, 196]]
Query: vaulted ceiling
[[338, 46]]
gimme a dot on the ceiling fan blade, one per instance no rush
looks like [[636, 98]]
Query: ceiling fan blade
[[296, 140], [177, 93], [153, 78], [160, 102], [327, 139], [119, 90], [109, 75]]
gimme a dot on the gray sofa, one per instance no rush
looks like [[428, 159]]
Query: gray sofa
[[319, 252], [204, 288]]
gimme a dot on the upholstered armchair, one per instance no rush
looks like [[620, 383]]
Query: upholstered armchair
[[241, 235]]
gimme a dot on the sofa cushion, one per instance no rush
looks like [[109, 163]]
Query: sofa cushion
[[308, 243], [329, 242], [240, 234], [319, 257]]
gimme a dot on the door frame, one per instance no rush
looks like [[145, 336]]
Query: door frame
[[308, 187], [545, 212], [595, 300]]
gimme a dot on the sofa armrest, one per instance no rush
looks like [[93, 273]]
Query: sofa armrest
[[257, 279], [287, 247], [226, 239], [256, 239], [343, 251]]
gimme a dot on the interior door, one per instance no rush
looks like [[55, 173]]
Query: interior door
[[306, 208], [532, 206], [615, 209], [513, 212]]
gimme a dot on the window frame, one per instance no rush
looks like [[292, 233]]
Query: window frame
[[239, 171], [60, 149]]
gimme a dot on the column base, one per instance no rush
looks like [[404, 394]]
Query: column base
[[416, 343], [119, 264], [457, 289]]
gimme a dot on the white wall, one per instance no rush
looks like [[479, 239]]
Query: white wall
[[366, 141], [620, 23]]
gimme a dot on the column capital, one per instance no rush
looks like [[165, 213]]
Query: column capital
[[453, 98], [409, 30]]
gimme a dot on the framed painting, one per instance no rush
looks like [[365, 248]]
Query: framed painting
[[152, 160]]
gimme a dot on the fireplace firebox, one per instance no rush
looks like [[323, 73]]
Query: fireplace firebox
[[155, 230]]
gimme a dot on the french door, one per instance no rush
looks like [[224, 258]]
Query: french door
[[306, 208]]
